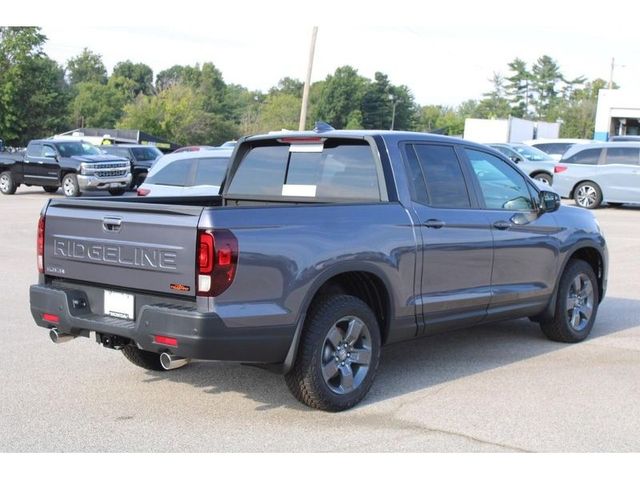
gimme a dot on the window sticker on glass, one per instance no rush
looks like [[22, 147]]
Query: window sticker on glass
[[306, 147], [289, 190]]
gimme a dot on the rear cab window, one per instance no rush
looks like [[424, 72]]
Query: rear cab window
[[332, 169]]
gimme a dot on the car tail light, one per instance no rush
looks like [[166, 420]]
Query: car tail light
[[143, 192], [40, 244], [216, 261], [559, 169]]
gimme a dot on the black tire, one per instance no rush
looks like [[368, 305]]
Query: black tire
[[544, 178], [587, 195], [142, 358], [306, 380], [7, 183], [116, 192], [560, 326], [50, 189], [70, 185]]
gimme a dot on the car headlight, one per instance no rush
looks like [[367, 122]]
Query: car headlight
[[83, 168]]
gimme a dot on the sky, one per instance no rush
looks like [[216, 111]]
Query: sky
[[445, 52]]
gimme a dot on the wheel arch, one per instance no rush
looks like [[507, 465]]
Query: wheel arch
[[591, 254], [362, 281]]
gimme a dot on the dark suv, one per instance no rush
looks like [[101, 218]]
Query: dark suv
[[141, 157]]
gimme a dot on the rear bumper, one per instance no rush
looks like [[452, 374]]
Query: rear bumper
[[199, 335], [92, 182]]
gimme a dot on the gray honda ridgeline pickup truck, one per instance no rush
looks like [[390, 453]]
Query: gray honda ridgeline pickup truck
[[321, 248]]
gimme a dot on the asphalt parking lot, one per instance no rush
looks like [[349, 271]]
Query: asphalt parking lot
[[494, 388]]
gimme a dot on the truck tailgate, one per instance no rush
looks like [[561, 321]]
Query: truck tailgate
[[123, 244]]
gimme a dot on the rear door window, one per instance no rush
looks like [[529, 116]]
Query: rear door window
[[210, 171], [177, 174], [437, 167], [336, 169], [622, 156], [589, 156]]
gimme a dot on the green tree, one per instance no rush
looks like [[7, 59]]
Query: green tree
[[33, 94], [495, 103], [289, 86], [139, 73], [377, 103], [279, 111], [86, 67], [101, 106], [177, 114], [518, 88], [341, 95]]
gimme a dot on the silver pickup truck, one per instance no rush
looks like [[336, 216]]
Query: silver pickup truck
[[321, 248]]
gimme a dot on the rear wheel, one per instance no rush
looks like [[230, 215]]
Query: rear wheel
[[116, 192], [50, 189], [588, 195], [576, 305], [7, 184], [338, 354], [142, 358], [544, 178], [70, 185]]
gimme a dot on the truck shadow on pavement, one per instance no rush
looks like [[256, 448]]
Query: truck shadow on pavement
[[413, 365]]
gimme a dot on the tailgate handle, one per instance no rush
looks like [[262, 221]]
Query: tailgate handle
[[111, 224]]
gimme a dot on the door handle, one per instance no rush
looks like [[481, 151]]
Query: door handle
[[502, 225], [434, 223], [111, 224]]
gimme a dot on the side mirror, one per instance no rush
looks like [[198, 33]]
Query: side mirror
[[51, 155], [549, 201], [515, 159]]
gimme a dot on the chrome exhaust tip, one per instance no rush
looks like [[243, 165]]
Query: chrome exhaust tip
[[171, 362], [57, 337]]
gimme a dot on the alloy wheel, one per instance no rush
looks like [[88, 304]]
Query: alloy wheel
[[346, 355], [580, 302], [586, 196]]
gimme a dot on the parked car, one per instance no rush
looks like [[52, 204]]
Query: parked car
[[321, 248], [187, 174], [141, 157], [75, 166], [625, 138], [600, 172], [556, 147], [195, 148], [535, 163]]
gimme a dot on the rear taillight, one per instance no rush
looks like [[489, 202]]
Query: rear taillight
[[40, 244], [162, 340], [216, 262], [559, 169], [143, 192]]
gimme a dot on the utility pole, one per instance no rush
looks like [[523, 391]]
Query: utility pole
[[613, 60], [305, 92]]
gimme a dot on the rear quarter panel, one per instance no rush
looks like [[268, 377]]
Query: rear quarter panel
[[286, 253]]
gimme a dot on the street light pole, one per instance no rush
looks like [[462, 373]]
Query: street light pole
[[393, 111]]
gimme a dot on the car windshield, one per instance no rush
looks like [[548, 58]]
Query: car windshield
[[146, 153], [532, 154], [70, 149]]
